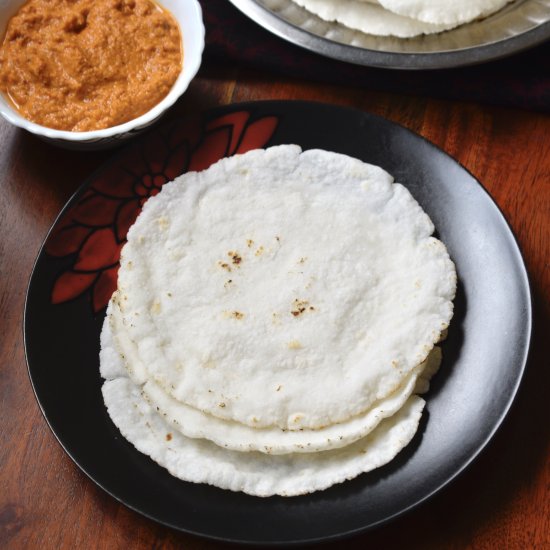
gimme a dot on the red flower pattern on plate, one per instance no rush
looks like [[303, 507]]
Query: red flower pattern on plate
[[94, 229]]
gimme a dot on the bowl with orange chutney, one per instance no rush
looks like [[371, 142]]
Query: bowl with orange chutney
[[87, 74]]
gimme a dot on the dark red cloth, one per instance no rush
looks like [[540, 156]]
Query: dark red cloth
[[520, 81]]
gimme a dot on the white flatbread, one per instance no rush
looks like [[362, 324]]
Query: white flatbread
[[258, 474], [444, 12], [284, 289], [371, 18], [234, 436]]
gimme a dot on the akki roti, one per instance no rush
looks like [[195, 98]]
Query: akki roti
[[275, 320], [401, 18]]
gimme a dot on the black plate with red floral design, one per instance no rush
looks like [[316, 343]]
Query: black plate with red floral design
[[484, 355]]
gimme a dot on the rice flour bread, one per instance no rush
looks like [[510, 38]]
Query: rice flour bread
[[401, 18], [275, 318]]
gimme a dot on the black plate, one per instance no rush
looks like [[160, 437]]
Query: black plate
[[484, 355]]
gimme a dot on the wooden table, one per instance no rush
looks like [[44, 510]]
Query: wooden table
[[501, 501]]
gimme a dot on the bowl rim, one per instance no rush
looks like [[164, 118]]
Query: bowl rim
[[190, 68]]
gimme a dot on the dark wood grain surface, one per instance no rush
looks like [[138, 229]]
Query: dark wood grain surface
[[500, 502]]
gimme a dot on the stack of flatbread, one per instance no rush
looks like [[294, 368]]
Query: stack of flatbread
[[274, 321], [402, 18]]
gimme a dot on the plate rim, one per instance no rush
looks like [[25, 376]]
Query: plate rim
[[447, 59], [480, 448]]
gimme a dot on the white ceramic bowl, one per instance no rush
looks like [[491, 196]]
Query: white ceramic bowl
[[188, 13]]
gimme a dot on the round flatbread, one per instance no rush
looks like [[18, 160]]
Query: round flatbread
[[234, 436], [370, 18], [258, 474], [284, 289], [444, 12]]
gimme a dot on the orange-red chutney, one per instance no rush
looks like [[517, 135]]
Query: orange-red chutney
[[89, 64]]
